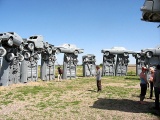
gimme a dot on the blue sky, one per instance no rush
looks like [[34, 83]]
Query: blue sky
[[89, 24]]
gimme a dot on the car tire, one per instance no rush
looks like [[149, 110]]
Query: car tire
[[149, 54], [31, 46], [27, 55], [2, 52], [49, 50], [9, 57], [75, 52]]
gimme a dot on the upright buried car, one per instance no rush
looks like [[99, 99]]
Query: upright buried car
[[68, 48], [11, 39]]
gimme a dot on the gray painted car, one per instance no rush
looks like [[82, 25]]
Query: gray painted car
[[68, 48], [151, 11], [150, 52], [35, 42], [11, 39], [117, 50]]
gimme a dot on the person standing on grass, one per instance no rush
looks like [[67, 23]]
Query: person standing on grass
[[151, 81], [60, 71], [143, 84], [156, 83], [98, 78]]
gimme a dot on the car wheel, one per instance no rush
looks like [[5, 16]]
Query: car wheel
[[21, 47], [10, 41], [75, 52], [27, 55], [10, 57], [2, 52], [149, 54], [58, 51], [31, 46]]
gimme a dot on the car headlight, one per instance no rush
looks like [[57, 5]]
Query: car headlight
[[104, 58], [46, 44], [10, 57], [27, 55], [75, 61], [54, 58], [36, 57], [49, 50], [31, 46], [126, 54], [86, 60], [20, 57], [31, 59], [58, 51], [138, 55], [2, 52]]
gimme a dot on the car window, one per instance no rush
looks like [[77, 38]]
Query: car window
[[33, 37], [11, 33]]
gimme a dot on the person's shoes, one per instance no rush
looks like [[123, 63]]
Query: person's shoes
[[99, 90]]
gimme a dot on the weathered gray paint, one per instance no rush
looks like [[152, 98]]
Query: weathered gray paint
[[108, 68], [69, 66], [10, 70], [47, 65], [121, 65], [151, 11], [89, 65]]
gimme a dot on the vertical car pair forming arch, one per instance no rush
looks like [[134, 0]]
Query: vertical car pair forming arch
[[115, 61], [70, 59]]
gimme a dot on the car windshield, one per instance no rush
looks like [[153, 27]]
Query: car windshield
[[11, 33], [33, 37]]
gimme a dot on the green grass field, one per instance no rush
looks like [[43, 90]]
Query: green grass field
[[77, 99]]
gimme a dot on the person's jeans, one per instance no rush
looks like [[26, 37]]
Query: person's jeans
[[143, 91], [99, 87], [156, 92], [151, 89]]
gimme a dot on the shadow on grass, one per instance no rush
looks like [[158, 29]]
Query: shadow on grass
[[92, 90], [125, 105]]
